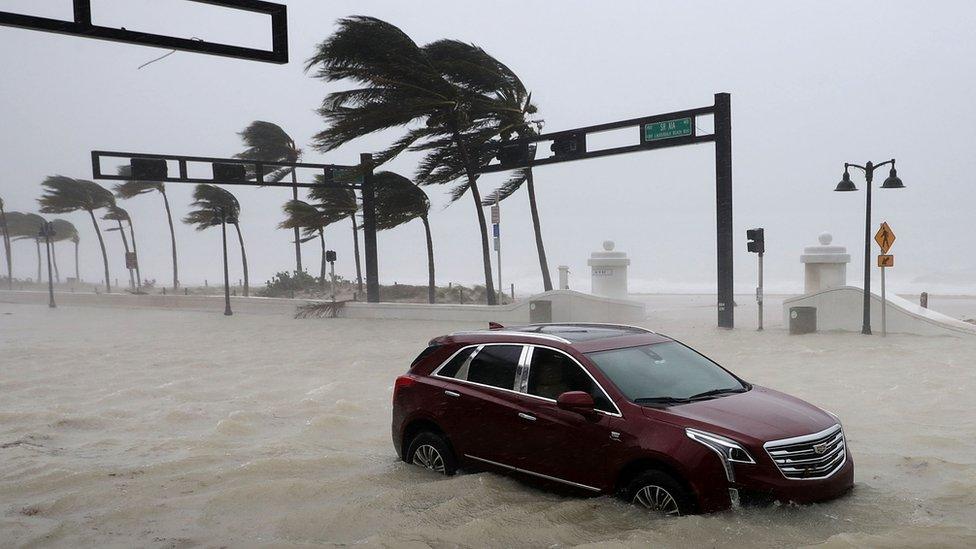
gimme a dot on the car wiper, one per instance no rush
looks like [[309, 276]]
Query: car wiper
[[661, 400], [716, 392]]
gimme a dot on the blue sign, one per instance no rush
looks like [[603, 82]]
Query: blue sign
[[494, 229]]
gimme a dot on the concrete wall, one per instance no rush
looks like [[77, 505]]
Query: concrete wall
[[205, 303], [842, 309]]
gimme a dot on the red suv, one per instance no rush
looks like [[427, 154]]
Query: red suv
[[615, 410]]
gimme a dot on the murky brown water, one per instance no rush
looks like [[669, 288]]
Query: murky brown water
[[156, 428]]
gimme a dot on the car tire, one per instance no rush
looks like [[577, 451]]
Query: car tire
[[431, 451], [659, 492]]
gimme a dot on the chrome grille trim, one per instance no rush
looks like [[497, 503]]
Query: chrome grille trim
[[797, 459]]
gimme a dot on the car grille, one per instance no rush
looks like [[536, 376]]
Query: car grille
[[811, 456]]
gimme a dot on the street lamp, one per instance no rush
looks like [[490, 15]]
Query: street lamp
[[220, 216], [46, 232], [846, 185]]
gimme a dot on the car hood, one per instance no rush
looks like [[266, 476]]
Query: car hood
[[760, 415]]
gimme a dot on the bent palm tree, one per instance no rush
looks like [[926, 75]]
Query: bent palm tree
[[6, 247], [131, 189], [26, 226], [402, 83], [64, 195], [311, 221], [398, 201], [210, 201], [338, 203], [119, 215], [64, 230], [267, 141]]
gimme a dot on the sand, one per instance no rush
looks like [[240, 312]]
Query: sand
[[179, 429]]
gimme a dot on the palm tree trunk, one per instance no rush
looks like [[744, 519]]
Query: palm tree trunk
[[132, 234], [355, 249], [431, 289], [490, 296], [54, 258], [240, 239], [77, 275], [38, 242], [322, 276], [101, 243], [125, 244], [540, 247], [298, 238], [172, 238], [6, 249]]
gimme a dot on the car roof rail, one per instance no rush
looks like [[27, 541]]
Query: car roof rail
[[595, 325], [513, 333]]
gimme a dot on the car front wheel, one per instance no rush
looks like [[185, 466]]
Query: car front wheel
[[660, 493], [431, 451]]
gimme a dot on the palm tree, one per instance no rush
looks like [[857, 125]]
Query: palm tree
[[6, 246], [402, 83], [311, 221], [398, 201], [65, 230], [64, 195], [131, 189], [267, 141], [339, 203], [119, 215], [26, 226], [210, 202]]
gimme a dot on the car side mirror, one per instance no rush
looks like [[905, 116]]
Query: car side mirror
[[576, 401]]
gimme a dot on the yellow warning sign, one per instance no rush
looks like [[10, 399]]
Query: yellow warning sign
[[885, 237], [885, 260]]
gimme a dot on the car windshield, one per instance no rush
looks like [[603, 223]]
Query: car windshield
[[665, 373]]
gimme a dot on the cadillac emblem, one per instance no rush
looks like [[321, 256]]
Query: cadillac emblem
[[820, 448]]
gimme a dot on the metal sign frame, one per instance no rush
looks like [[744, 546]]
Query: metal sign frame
[[722, 137], [82, 25]]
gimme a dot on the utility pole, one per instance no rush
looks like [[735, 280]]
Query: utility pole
[[47, 231], [497, 241]]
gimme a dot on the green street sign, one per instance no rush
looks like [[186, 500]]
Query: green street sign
[[668, 129]]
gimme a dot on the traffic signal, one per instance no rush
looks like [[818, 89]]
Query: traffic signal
[[330, 256], [569, 145], [513, 153], [757, 241], [148, 169], [229, 173]]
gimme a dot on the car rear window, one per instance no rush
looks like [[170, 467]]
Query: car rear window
[[495, 365], [451, 368]]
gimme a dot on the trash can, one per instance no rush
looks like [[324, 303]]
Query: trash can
[[803, 320], [540, 311]]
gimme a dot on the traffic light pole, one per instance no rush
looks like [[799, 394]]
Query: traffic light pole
[[369, 229], [759, 293], [657, 131]]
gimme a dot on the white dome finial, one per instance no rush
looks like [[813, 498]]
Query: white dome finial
[[825, 239], [608, 245]]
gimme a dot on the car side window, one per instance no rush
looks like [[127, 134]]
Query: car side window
[[454, 365], [553, 373], [495, 365]]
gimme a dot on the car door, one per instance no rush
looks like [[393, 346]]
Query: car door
[[480, 402], [561, 444]]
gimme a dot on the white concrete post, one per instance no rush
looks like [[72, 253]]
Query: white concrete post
[[563, 277], [608, 272], [825, 266]]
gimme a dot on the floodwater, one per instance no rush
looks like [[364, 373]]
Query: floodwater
[[171, 429]]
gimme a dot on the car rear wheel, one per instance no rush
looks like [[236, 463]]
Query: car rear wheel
[[430, 451], [659, 493]]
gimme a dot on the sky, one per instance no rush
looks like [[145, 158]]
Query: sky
[[813, 85]]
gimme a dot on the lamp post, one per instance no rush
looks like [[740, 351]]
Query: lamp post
[[47, 231], [220, 216], [846, 185]]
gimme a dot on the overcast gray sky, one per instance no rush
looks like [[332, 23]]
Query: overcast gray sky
[[813, 84]]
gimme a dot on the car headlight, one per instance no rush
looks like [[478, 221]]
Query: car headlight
[[727, 449]]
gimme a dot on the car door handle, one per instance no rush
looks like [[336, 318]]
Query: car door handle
[[526, 416], [452, 394]]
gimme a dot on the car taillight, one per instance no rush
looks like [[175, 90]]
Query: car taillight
[[401, 383]]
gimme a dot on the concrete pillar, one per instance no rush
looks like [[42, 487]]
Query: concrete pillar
[[563, 277], [608, 272], [825, 266]]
